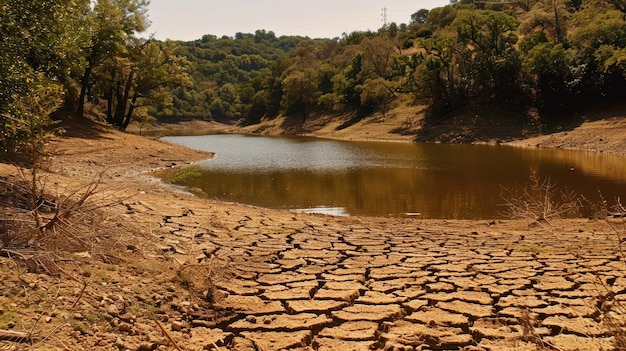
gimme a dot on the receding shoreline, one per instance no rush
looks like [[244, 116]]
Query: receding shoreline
[[364, 282], [604, 131]]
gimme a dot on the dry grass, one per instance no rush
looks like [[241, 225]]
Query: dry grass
[[540, 201], [41, 222], [200, 279]]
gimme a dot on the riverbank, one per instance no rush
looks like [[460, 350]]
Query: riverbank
[[599, 130], [215, 275]]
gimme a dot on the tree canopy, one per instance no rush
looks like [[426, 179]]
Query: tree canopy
[[91, 57], [72, 52], [553, 54]]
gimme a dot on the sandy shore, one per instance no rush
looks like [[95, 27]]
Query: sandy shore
[[225, 276]]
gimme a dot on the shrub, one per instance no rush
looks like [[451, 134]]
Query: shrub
[[539, 201], [183, 174]]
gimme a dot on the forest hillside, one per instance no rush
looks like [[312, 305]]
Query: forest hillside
[[527, 60], [545, 58]]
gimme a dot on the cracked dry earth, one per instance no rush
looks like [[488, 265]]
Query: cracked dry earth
[[294, 281], [325, 284]]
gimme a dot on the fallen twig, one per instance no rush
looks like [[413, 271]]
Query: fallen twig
[[10, 253], [82, 291], [167, 335]]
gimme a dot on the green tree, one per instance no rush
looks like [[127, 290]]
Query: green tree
[[346, 84], [441, 17], [377, 93], [299, 92], [597, 47], [549, 65], [547, 16], [299, 83], [145, 78], [597, 28], [438, 77], [113, 25], [420, 16], [39, 44], [491, 60]]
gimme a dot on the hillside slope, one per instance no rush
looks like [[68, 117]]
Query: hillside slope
[[602, 129]]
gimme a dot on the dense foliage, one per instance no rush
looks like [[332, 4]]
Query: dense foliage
[[556, 55], [89, 56], [36, 53], [69, 53], [232, 77]]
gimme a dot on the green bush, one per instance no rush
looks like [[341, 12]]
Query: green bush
[[183, 174]]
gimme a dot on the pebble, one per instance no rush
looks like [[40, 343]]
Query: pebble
[[125, 327], [177, 325], [112, 310]]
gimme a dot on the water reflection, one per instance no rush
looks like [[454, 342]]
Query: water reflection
[[373, 178]]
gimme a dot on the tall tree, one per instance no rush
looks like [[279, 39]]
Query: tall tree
[[300, 81], [438, 77], [492, 63], [549, 64], [420, 16], [114, 23], [146, 77], [548, 16]]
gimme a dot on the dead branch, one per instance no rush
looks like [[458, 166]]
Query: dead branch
[[539, 201], [14, 336]]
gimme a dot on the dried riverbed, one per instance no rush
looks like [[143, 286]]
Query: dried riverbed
[[164, 267], [328, 284]]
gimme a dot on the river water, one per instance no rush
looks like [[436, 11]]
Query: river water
[[392, 179]]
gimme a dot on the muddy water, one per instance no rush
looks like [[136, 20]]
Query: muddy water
[[382, 179]]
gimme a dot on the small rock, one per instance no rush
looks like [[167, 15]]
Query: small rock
[[147, 346], [84, 254], [125, 327], [113, 310], [177, 325], [119, 342]]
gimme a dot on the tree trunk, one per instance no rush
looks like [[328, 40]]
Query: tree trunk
[[118, 99], [110, 106], [557, 22], [129, 115], [83, 90], [122, 101], [109, 98]]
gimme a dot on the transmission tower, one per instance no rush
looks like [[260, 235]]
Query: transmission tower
[[384, 16]]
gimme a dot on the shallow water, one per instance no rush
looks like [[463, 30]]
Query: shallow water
[[382, 179]]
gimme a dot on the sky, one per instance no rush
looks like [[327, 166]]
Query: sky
[[191, 19]]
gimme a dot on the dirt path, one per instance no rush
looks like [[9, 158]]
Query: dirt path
[[225, 276]]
